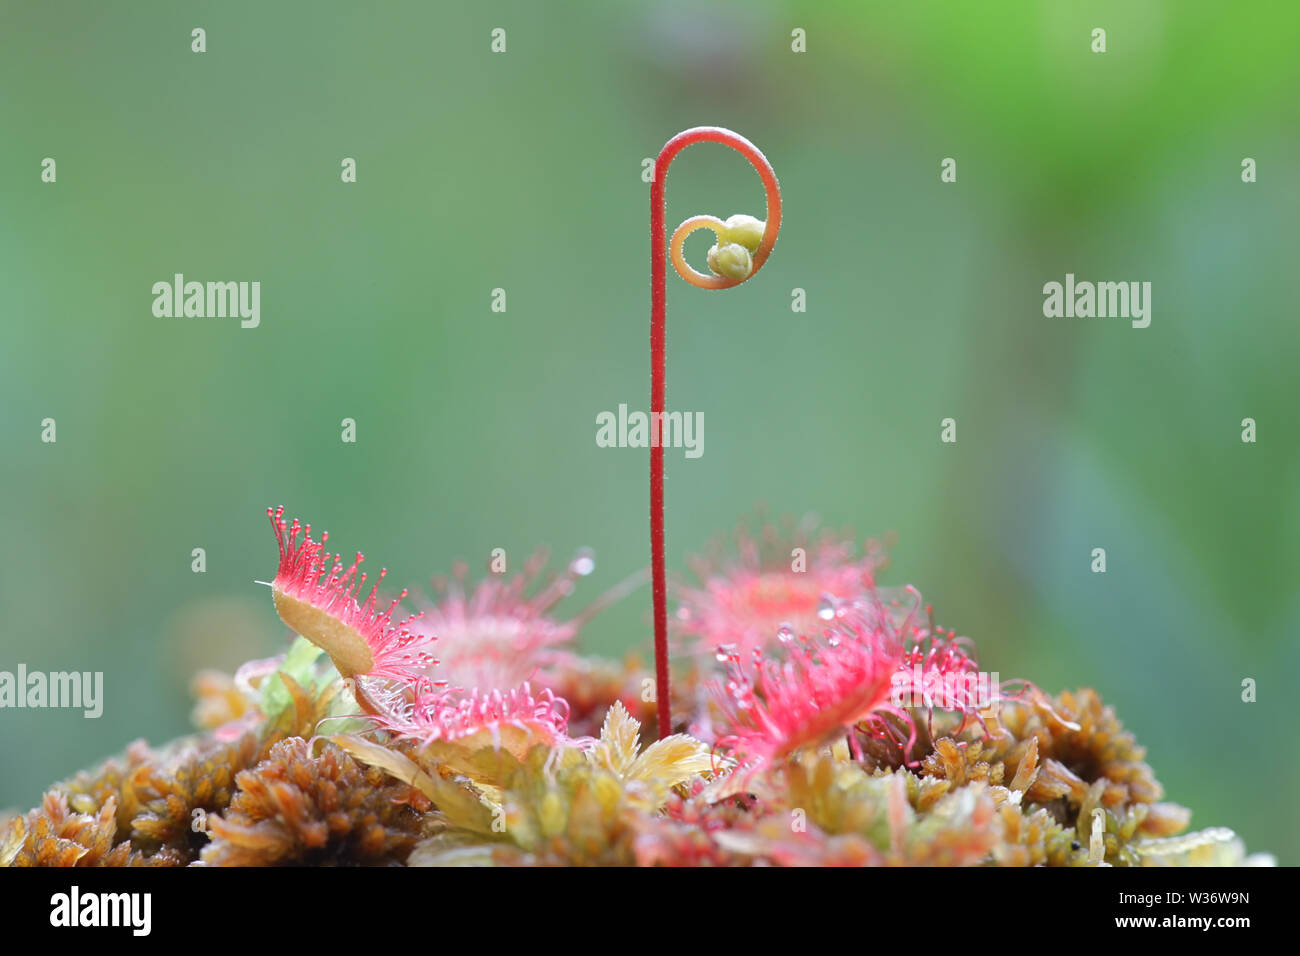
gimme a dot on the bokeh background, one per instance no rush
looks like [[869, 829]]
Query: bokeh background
[[476, 429]]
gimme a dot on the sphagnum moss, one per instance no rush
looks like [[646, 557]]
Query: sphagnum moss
[[419, 773]]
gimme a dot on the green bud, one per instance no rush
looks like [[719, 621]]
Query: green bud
[[731, 260], [746, 230]]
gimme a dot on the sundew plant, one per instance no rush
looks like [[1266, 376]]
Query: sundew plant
[[803, 709]]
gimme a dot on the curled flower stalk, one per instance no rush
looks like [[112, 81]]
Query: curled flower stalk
[[743, 246]]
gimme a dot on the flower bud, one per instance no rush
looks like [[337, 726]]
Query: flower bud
[[745, 230], [731, 260]]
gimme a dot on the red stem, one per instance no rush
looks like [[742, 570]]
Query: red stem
[[658, 362]]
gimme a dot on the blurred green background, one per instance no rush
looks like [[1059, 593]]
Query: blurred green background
[[476, 429]]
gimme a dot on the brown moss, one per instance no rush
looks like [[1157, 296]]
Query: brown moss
[[177, 799], [1022, 794], [159, 800], [960, 763], [1073, 759], [1035, 839], [55, 835], [296, 808]]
